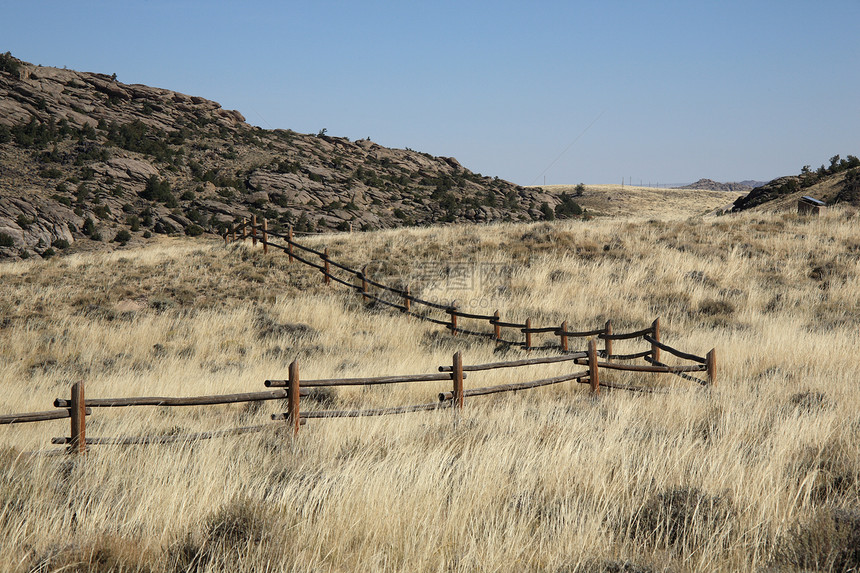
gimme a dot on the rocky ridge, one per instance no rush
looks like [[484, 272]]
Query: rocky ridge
[[838, 183], [87, 161], [711, 185]]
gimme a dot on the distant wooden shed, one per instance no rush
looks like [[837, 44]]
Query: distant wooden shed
[[807, 205]]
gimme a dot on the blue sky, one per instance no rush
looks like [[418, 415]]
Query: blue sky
[[566, 92]]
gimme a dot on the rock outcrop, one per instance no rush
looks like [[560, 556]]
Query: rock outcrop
[[711, 185], [84, 157]]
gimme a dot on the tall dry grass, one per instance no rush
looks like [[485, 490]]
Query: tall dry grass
[[760, 472]]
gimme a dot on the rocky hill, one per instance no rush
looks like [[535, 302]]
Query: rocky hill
[[711, 185], [87, 161], [838, 183]]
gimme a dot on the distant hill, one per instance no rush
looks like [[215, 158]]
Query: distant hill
[[711, 185], [838, 183], [86, 160]]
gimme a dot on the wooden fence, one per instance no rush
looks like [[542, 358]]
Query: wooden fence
[[291, 389], [405, 301]]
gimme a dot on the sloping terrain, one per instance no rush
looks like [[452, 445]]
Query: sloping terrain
[[645, 202], [83, 156], [839, 183]]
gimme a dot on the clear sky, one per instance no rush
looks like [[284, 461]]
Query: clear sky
[[561, 92]]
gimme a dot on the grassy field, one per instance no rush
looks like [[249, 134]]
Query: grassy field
[[637, 203], [761, 472]]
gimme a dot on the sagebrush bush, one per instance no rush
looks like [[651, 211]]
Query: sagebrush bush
[[829, 540], [682, 517]]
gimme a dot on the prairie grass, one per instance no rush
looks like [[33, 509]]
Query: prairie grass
[[760, 472], [638, 202]]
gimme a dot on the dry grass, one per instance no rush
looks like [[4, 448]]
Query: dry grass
[[749, 475], [635, 202]]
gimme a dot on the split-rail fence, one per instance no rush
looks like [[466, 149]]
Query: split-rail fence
[[590, 361]]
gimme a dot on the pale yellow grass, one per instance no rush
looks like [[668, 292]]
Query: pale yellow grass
[[637, 203], [544, 480]]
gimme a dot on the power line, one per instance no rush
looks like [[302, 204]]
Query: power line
[[554, 161]]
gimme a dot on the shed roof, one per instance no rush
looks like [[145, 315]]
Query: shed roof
[[812, 200]]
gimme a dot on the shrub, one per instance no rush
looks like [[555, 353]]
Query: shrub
[[24, 221], [193, 230], [102, 211], [122, 237], [63, 200], [89, 227], [137, 136], [714, 307], [835, 469], [6, 240], [50, 173], [9, 63], [82, 192], [159, 190], [133, 222], [547, 212], [828, 541], [60, 244], [683, 516], [567, 207], [48, 253]]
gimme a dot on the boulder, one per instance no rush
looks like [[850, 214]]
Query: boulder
[[133, 169]]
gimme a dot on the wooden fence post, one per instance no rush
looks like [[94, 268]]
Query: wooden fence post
[[497, 330], [593, 375], [254, 230], [608, 343], [655, 334], [326, 266], [453, 311], [233, 232], [293, 396], [363, 287], [563, 336], [457, 376], [244, 229], [528, 334], [712, 366], [407, 302], [290, 243], [78, 410], [265, 236]]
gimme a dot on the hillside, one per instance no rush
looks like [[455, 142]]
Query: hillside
[[839, 183], [86, 160]]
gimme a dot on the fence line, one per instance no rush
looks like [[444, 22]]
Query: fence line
[[77, 407], [650, 334]]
